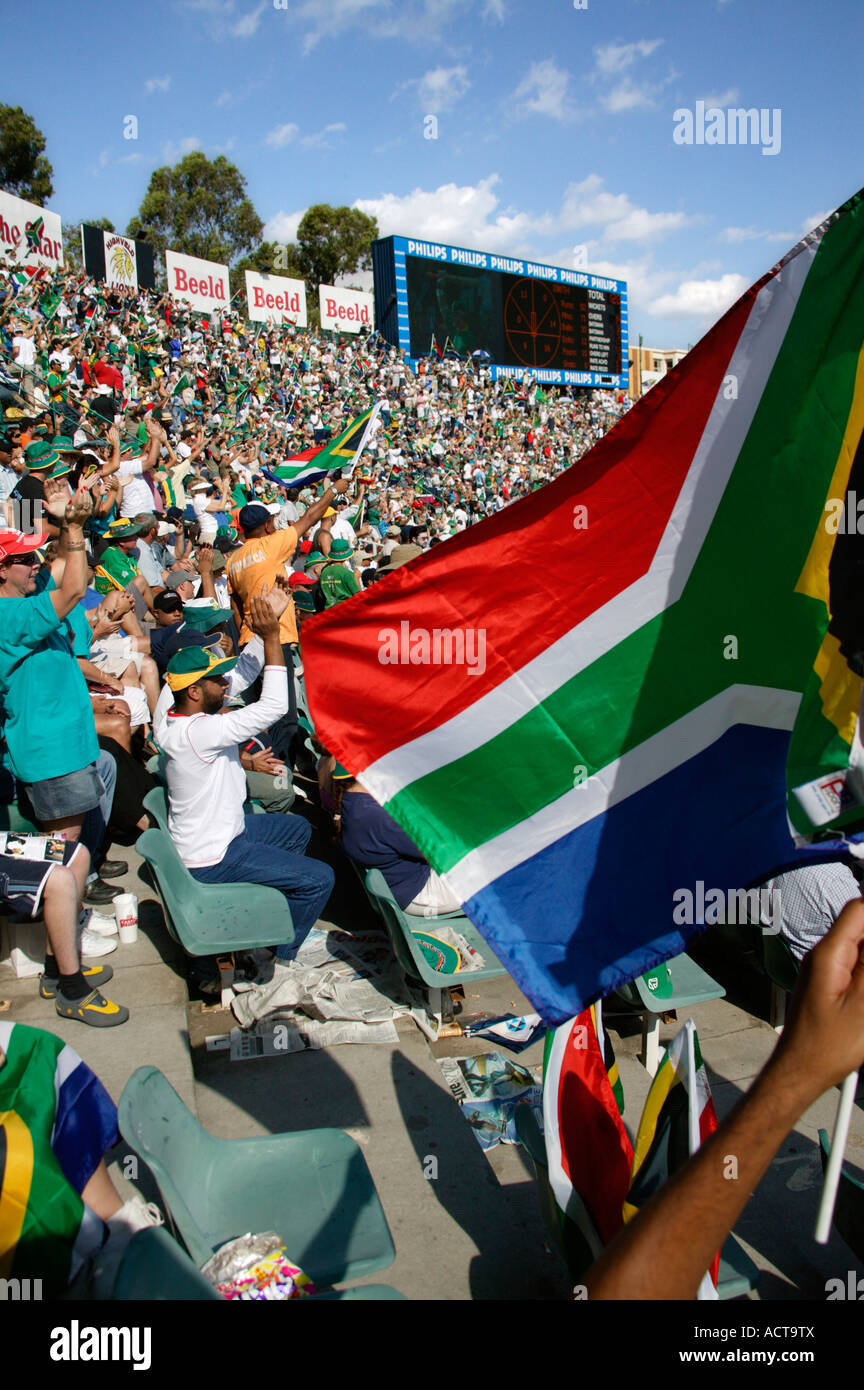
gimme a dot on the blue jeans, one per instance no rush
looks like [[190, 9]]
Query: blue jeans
[[271, 852]]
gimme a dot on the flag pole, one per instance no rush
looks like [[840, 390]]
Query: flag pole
[[369, 423], [835, 1159]]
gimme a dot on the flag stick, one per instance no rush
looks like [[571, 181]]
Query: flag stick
[[835, 1159]]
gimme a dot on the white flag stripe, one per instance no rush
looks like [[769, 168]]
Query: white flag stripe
[[762, 706]]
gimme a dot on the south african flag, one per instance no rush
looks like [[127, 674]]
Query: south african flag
[[56, 1123]]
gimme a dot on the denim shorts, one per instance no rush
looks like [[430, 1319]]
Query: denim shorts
[[70, 795]]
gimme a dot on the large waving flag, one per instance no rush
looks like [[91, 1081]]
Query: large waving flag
[[591, 700], [310, 466]]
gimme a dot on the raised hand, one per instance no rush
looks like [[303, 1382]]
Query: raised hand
[[262, 620]]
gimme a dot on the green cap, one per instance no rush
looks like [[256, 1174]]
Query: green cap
[[315, 558], [205, 616], [192, 664]]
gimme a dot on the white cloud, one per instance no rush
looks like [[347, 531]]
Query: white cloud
[[544, 92], [283, 227], [225, 99], [282, 135], [619, 89], [247, 25], [320, 136], [724, 99], [439, 89], [700, 298], [614, 58], [286, 134], [157, 84], [417, 21], [590, 204], [739, 234], [815, 221], [171, 152], [104, 157], [471, 215]]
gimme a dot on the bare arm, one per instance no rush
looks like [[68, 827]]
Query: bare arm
[[73, 584], [317, 510], [666, 1249]]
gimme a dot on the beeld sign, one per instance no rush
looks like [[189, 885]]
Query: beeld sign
[[348, 310], [33, 234], [202, 284], [275, 297]]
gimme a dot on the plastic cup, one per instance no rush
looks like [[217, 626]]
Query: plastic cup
[[126, 914]]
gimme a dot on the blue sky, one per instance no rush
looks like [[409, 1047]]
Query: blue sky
[[554, 124]]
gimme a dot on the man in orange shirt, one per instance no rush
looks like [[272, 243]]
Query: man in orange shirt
[[266, 554]]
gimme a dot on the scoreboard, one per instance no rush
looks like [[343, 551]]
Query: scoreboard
[[557, 325]]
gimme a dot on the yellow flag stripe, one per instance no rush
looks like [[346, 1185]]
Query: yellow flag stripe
[[17, 1179]]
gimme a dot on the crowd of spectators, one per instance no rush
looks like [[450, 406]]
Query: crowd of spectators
[[155, 572]]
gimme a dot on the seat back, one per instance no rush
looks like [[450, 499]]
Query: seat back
[[849, 1208], [178, 1150], [780, 965], [155, 1268], [156, 802]]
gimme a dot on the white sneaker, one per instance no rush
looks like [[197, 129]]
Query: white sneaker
[[93, 921], [92, 944]]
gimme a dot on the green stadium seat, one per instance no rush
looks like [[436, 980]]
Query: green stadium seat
[[312, 1187]]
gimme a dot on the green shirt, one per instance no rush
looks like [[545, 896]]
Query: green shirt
[[49, 718], [337, 582], [116, 570]]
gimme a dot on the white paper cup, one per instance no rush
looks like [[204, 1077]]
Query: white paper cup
[[126, 914]]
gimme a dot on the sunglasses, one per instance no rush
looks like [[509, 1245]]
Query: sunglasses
[[29, 559]]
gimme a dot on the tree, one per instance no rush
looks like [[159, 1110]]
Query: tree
[[24, 170], [200, 208], [268, 259], [334, 241], [72, 238]]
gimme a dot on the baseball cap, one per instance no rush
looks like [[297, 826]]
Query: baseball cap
[[178, 577], [253, 515], [19, 543], [193, 664]]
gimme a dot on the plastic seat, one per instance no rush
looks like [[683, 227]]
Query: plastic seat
[[155, 1268], [849, 1208], [781, 967], [156, 802], [689, 984], [312, 1187], [400, 927], [213, 918]]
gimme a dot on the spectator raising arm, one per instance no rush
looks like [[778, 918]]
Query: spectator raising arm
[[70, 515], [665, 1250]]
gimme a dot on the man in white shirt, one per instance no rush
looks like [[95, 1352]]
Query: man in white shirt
[[207, 785], [137, 494]]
